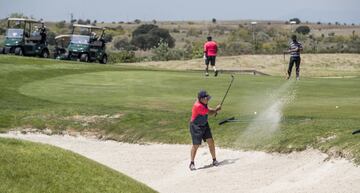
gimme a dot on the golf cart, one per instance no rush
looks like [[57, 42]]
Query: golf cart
[[61, 44], [24, 38], [86, 46]]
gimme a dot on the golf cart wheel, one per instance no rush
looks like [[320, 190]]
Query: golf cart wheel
[[18, 51], [45, 54], [84, 58], [7, 50], [1, 50], [104, 59]]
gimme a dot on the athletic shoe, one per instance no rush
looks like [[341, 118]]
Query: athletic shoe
[[192, 167], [216, 73], [206, 74], [297, 78], [215, 163]]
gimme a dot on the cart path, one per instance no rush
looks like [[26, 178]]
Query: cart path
[[165, 167]]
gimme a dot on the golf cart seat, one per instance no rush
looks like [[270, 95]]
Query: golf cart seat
[[97, 43], [34, 38]]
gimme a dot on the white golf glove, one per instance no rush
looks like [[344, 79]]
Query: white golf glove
[[205, 57]]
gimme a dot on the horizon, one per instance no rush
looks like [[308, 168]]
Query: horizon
[[229, 10]]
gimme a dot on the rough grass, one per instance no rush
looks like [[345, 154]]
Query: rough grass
[[29, 167], [313, 65], [155, 105]]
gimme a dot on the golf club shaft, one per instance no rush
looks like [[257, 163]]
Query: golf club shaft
[[232, 80]]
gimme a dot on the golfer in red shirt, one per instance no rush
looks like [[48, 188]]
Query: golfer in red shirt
[[210, 52], [199, 127]]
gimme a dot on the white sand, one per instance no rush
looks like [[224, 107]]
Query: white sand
[[165, 167]]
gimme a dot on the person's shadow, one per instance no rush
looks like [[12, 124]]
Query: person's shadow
[[221, 163]]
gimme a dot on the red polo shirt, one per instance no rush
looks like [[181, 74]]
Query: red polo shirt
[[210, 48], [199, 110]]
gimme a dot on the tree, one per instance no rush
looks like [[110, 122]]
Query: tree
[[148, 36], [137, 21], [81, 21], [303, 30], [214, 20]]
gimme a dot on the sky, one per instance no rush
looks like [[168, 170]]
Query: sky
[[343, 11]]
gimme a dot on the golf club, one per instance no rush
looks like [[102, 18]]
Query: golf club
[[285, 71], [226, 120], [232, 120], [232, 80], [356, 132]]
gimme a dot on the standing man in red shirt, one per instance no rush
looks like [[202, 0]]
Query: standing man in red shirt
[[210, 52], [199, 127]]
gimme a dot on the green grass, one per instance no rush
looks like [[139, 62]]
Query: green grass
[[29, 167], [155, 106]]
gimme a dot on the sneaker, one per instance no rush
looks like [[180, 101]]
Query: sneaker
[[215, 163], [216, 73], [192, 167], [206, 74], [297, 78]]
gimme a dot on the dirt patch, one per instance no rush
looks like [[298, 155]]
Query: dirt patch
[[86, 120]]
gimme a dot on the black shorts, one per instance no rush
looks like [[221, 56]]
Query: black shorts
[[199, 133], [210, 60]]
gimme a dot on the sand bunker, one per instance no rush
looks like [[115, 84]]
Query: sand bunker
[[165, 167]]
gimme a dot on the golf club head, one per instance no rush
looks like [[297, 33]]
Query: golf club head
[[356, 132], [226, 120]]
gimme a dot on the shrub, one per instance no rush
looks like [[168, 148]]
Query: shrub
[[163, 53], [2, 31], [193, 32], [108, 37], [303, 30], [61, 24], [124, 44], [51, 38], [194, 50], [122, 57]]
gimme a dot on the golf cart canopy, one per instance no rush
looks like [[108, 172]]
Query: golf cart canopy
[[88, 26], [24, 20], [14, 33], [63, 37]]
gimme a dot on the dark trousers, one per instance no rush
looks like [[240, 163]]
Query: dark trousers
[[296, 60]]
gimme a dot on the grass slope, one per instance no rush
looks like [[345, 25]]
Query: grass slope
[[29, 167], [135, 105]]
